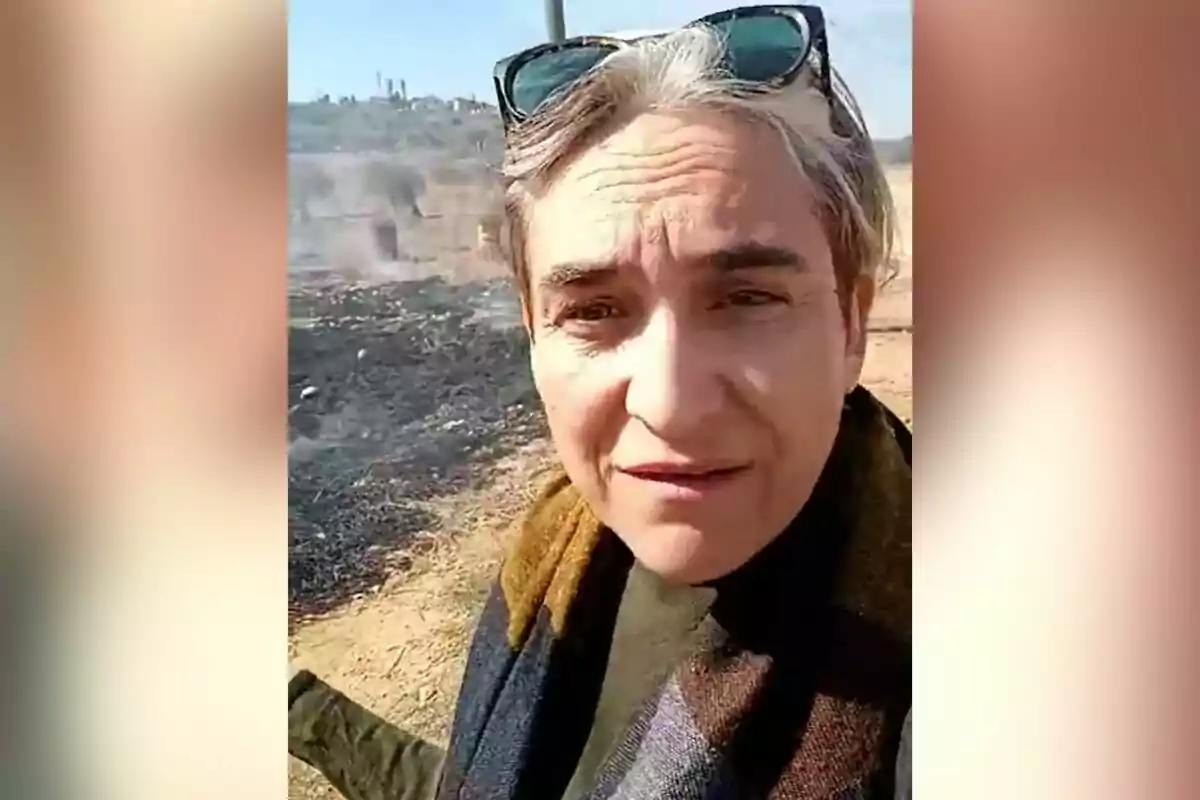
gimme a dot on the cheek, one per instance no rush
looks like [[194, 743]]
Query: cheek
[[803, 404], [807, 357], [799, 378], [583, 403]]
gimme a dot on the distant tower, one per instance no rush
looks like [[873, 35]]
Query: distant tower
[[390, 93], [403, 90], [378, 82]]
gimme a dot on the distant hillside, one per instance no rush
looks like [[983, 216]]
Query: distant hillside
[[459, 128], [894, 151]]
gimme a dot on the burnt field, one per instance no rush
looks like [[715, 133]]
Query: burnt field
[[398, 393]]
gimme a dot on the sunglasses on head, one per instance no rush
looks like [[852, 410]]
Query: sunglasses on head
[[767, 45]]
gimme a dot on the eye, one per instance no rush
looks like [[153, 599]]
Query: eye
[[749, 297], [592, 311]]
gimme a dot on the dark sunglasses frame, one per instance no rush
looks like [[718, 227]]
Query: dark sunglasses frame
[[507, 69]]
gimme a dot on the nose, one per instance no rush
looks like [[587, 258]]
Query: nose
[[674, 386]]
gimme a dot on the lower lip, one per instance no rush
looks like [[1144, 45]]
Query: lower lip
[[688, 487]]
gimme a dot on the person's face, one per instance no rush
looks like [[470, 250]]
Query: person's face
[[687, 339]]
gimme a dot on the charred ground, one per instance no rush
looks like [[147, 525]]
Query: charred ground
[[398, 393]]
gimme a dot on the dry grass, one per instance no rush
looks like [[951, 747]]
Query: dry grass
[[401, 651]]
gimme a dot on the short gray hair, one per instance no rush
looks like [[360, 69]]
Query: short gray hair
[[681, 70]]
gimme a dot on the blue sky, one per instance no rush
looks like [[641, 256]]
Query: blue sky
[[447, 47]]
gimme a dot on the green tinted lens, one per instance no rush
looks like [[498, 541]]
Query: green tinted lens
[[536, 80], [763, 47]]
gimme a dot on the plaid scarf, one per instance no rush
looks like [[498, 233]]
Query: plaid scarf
[[797, 690]]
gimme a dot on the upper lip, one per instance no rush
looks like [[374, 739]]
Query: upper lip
[[690, 468]]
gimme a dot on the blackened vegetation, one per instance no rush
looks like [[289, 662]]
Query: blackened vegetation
[[397, 393]]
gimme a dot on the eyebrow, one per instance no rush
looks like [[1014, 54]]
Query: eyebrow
[[735, 258], [752, 255]]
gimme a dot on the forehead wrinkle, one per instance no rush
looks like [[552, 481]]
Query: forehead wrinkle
[[620, 176], [623, 187], [632, 152], [641, 151], [661, 191]]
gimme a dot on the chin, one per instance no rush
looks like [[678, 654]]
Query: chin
[[679, 554]]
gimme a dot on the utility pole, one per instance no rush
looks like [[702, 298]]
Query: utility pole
[[556, 28]]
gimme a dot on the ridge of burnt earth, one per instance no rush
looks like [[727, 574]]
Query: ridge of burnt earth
[[397, 393]]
